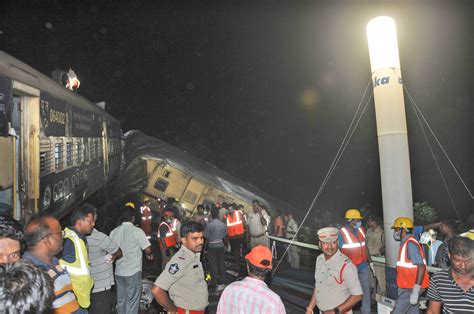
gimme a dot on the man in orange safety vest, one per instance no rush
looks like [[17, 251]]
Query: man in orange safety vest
[[167, 237], [412, 275], [351, 241]]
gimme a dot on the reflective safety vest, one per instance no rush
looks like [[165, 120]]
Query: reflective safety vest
[[406, 271], [174, 224], [468, 234], [146, 212], [170, 238], [354, 247], [78, 270], [235, 224]]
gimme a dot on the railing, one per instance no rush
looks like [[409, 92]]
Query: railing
[[380, 260]]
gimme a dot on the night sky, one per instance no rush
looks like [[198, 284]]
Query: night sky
[[265, 90]]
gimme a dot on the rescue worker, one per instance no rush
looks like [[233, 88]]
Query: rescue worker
[[351, 241], [176, 224], [130, 204], [235, 222], [337, 288], [146, 217], [470, 223], [181, 287], [75, 258], [167, 238], [412, 275]]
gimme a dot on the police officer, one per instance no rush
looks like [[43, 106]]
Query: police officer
[[183, 276], [337, 288]]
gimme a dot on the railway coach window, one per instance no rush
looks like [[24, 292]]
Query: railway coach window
[[58, 155], [78, 153], [92, 151], [161, 185], [46, 156], [99, 147], [69, 153], [86, 150]]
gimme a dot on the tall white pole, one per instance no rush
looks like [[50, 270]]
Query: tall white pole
[[391, 128]]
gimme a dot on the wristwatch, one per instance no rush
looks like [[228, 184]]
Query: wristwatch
[[336, 310]]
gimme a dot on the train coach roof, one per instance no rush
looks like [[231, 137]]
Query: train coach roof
[[21, 72], [140, 145]]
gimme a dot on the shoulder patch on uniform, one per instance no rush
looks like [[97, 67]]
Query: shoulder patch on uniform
[[173, 269]]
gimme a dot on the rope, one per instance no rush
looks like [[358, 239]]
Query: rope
[[434, 156], [347, 137], [439, 143]]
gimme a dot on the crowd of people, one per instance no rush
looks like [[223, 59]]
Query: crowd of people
[[73, 269], [343, 279]]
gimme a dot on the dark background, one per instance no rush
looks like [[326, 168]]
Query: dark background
[[266, 89]]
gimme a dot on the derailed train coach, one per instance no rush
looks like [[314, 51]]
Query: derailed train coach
[[157, 170], [56, 147]]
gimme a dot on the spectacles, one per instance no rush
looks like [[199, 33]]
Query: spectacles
[[62, 233]]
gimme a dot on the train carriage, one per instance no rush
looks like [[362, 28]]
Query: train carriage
[[56, 147]]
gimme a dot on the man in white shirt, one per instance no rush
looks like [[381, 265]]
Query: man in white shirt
[[128, 271]]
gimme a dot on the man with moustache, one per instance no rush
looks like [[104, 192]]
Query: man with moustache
[[453, 289], [75, 257], [183, 277], [337, 287], [44, 239]]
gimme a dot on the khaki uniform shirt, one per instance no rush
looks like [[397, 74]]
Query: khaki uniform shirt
[[332, 288], [183, 278], [374, 240], [255, 225]]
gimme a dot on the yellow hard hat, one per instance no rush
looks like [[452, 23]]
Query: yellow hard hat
[[353, 214], [146, 199], [403, 222], [130, 204]]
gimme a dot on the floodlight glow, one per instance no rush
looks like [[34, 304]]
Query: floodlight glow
[[383, 46]]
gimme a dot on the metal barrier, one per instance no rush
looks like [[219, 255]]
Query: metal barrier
[[380, 260]]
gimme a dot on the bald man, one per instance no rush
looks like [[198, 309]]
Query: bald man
[[45, 240]]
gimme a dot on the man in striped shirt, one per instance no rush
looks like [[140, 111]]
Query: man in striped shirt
[[102, 253], [44, 239], [453, 289], [252, 295]]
